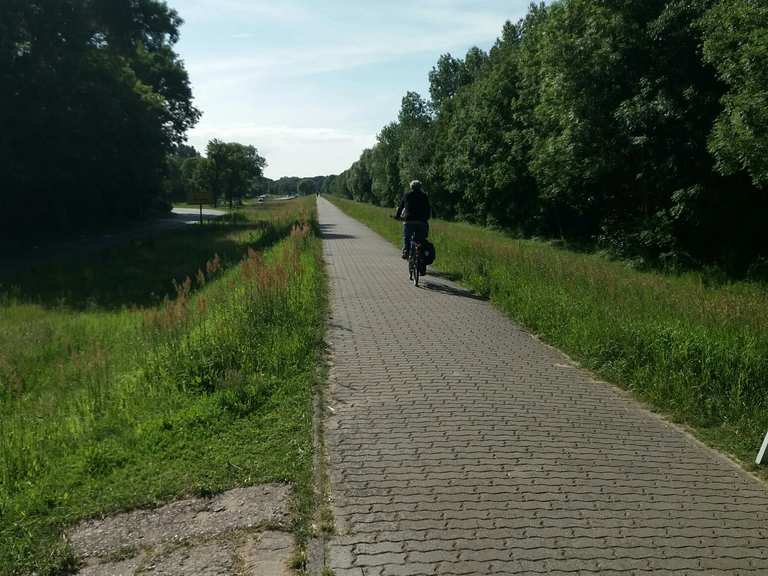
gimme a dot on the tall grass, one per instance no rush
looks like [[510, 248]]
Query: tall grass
[[105, 409], [694, 349]]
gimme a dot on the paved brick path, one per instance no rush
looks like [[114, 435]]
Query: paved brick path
[[464, 446]]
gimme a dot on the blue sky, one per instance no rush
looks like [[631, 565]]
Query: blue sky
[[311, 83]]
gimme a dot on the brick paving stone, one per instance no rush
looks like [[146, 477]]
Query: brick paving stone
[[460, 444]]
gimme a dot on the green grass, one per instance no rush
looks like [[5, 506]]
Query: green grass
[[119, 390], [695, 351]]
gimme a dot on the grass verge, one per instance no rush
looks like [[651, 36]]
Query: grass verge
[[696, 352], [119, 389]]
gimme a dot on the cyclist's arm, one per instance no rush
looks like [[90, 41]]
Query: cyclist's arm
[[400, 209]]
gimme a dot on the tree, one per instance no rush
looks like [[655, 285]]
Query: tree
[[232, 170], [474, 64], [182, 174], [92, 100], [482, 149], [414, 110], [306, 187], [736, 44], [603, 122], [385, 171], [445, 79], [416, 143], [450, 74]]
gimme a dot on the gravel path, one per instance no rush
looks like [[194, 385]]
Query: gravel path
[[459, 444]]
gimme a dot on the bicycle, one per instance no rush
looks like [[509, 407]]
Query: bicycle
[[415, 256], [415, 265]]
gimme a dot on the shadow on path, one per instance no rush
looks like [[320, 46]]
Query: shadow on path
[[336, 326], [337, 237], [450, 276], [443, 289], [326, 233]]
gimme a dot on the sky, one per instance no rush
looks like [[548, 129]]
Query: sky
[[311, 83]]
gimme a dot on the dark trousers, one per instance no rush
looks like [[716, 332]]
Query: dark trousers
[[413, 227]]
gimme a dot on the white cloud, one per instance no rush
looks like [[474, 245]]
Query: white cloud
[[309, 82], [440, 30], [204, 10], [252, 131], [318, 60], [308, 151]]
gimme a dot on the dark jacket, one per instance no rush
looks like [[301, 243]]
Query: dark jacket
[[414, 207]]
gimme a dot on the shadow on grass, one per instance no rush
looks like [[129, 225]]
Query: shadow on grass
[[139, 273]]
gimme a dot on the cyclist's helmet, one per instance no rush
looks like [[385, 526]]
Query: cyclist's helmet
[[416, 186]]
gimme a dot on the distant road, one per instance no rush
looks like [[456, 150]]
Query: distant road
[[192, 215], [178, 218]]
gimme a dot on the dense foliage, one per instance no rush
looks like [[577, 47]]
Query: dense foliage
[[641, 127], [92, 99]]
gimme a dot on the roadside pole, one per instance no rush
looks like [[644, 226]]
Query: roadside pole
[[201, 197], [763, 450]]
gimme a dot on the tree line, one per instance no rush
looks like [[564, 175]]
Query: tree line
[[93, 98], [193, 176], [290, 185], [639, 127]]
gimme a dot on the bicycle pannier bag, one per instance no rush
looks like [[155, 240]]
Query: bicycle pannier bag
[[428, 252]]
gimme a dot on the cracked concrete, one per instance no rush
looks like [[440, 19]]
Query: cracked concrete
[[237, 533]]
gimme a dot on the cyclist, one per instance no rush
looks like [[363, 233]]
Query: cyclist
[[415, 212]]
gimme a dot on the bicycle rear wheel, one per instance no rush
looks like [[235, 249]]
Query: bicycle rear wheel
[[411, 259]]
